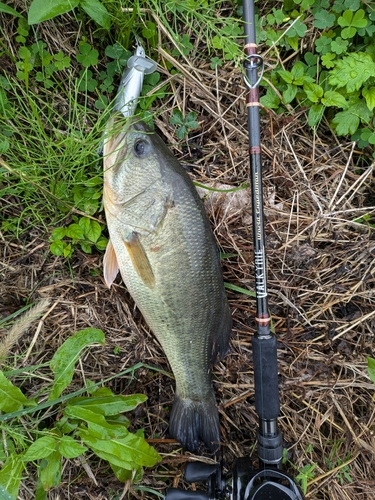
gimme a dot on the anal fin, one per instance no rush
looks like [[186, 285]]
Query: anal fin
[[140, 260]]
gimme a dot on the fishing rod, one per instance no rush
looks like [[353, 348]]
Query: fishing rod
[[267, 481]]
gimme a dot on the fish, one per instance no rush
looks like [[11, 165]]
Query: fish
[[162, 243]]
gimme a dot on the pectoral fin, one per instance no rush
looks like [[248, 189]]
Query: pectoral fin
[[110, 265], [140, 260]]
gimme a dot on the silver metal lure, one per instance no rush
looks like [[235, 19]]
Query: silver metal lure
[[132, 80]]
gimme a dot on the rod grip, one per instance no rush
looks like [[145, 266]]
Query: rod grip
[[267, 402]]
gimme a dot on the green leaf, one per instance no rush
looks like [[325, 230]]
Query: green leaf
[[125, 475], [109, 405], [11, 474], [69, 448], [87, 56], [58, 233], [346, 18], [315, 114], [40, 448], [327, 60], [75, 232], [191, 120], [286, 76], [91, 229], [57, 248], [369, 95], [11, 397], [347, 121], [64, 359], [323, 44], [42, 10], [314, 92], [338, 46], [176, 118], [97, 424], [359, 20], [49, 471], [333, 98], [371, 368], [8, 10], [4, 495], [239, 289], [123, 452], [102, 242], [324, 19], [270, 100], [97, 12], [289, 93], [352, 71], [349, 32]]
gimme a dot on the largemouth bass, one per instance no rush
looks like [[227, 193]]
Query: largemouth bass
[[162, 243]]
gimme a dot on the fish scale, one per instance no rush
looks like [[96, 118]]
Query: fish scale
[[162, 243]]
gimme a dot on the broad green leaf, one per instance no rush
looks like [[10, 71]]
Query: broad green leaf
[[11, 474], [97, 12], [49, 471], [57, 248], [42, 10], [40, 448], [124, 475], [352, 71], [371, 368], [12, 12], [109, 405], [123, 451], [369, 95], [315, 114], [69, 448], [11, 397], [347, 121], [64, 359], [332, 98], [4, 495], [104, 449], [97, 424], [299, 73], [270, 100], [58, 233], [75, 232], [289, 93], [286, 76], [314, 92], [91, 229]]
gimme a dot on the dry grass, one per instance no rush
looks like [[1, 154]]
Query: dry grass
[[321, 280]]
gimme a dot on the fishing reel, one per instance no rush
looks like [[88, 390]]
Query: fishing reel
[[243, 483]]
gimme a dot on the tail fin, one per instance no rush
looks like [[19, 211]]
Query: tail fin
[[194, 421]]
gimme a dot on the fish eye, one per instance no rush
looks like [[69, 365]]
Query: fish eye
[[141, 147]]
